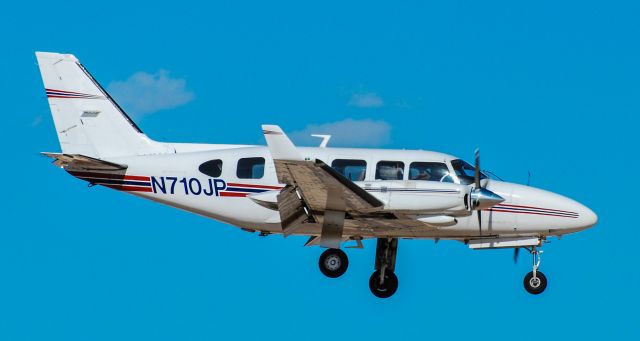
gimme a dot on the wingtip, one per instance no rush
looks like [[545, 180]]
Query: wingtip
[[272, 129], [280, 146]]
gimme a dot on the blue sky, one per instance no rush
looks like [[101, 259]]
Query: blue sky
[[547, 87]]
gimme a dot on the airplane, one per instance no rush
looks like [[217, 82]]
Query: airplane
[[335, 196]]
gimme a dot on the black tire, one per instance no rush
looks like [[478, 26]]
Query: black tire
[[535, 287], [333, 263], [387, 288]]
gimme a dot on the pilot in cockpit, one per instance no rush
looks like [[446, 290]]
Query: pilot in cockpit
[[423, 175]]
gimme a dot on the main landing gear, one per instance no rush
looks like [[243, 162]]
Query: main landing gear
[[383, 282], [535, 281], [333, 263]]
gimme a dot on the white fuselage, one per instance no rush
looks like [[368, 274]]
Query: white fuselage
[[174, 179]]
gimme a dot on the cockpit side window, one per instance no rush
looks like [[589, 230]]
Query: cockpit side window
[[429, 171], [354, 170], [465, 171], [211, 168], [390, 170], [250, 168]]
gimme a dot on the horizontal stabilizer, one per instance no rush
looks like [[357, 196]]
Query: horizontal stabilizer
[[82, 162]]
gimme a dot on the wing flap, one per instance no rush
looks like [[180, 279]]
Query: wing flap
[[293, 212]]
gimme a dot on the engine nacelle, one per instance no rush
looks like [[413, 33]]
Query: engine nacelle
[[415, 197]]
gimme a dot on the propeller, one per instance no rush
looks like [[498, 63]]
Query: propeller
[[481, 198], [516, 253], [477, 183], [477, 170]]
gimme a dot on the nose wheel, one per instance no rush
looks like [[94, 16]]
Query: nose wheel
[[535, 285], [333, 263], [535, 282]]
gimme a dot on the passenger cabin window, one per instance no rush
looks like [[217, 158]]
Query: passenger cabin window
[[390, 170], [211, 168], [429, 171], [354, 170], [250, 168]]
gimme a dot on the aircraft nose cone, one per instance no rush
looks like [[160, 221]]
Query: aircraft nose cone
[[541, 210], [587, 217]]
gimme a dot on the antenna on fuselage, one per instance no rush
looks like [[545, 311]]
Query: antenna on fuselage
[[325, 139], [528, 178]]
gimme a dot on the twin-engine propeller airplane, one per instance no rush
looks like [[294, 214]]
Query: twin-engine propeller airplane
[[332, 195]]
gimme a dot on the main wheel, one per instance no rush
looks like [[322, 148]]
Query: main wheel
[[536, 285], [333, 263], [387, 288]]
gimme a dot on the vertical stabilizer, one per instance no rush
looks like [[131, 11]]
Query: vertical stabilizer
[[87, 120]]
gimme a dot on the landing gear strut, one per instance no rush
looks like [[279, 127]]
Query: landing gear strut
[[333, 263], [383, 282], [535, 281]]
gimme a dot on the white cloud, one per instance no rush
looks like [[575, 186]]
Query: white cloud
[[366, 100], [346, 133], [144, 93]]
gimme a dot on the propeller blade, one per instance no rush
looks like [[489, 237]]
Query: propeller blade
[[480, 222], [477, 170], [516, 252]]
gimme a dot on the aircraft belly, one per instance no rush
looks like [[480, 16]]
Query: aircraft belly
[[237, 211]]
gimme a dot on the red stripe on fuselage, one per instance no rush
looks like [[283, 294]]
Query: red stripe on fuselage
[[536, 208], [130, 188], [233, 194], [110, 176], [537, 213]]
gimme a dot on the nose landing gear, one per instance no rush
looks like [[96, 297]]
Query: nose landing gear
[[535, 282]]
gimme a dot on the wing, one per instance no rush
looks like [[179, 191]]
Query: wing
[[320, 186], [316, 194]]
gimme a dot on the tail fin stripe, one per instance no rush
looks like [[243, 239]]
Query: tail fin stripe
[[65, 96], [64, 91], [51, 93]]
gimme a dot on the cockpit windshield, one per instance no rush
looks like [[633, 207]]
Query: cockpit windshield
[[465, 172]]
